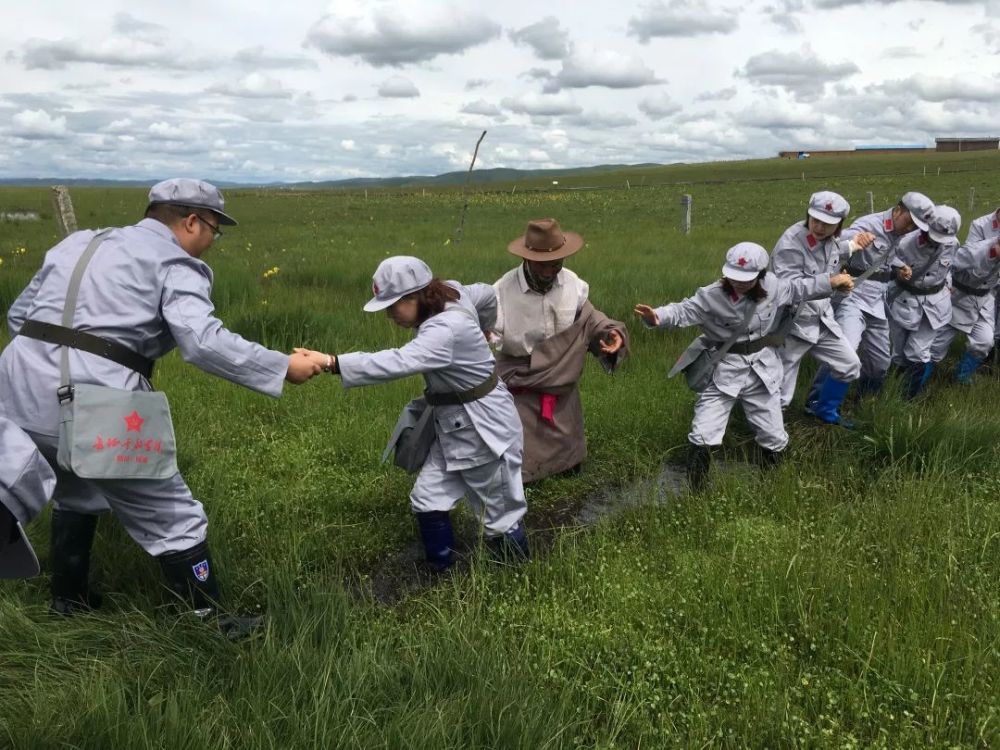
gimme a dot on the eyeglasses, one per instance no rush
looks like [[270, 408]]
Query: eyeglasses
[[217, 233]]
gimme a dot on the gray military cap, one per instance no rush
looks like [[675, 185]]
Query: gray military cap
[[920, 207], [26, 485], [944, 224], [396, 277], [828, 207], [184, 191], [745, 261]]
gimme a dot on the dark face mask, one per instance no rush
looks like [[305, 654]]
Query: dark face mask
[[537, 283]]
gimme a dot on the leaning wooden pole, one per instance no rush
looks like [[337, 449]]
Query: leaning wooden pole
[[63, 205], [465, 191]]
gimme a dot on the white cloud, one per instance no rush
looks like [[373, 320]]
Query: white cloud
[[547, 105], [681, 18], [600, 67], [659, 106], [802, 71], [397, 87], [348, 144], [38, 124], [252, 86], [546, 38], [401, 34], [480, 107]]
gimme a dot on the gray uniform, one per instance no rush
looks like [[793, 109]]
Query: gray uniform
[[798, 254], [752, 379], [914, 319], [26, 484], [862, 314], [144, 291], [975, 275], [986, 228], [479, 444]]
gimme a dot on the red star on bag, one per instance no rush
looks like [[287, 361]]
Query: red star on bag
[[741, 262], [133, 422]]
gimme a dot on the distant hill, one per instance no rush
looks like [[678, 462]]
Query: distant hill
[[479, 177]]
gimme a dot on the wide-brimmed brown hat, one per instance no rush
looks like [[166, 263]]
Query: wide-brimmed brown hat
[[544, 240]]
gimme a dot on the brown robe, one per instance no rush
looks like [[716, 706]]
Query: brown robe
[[548, 380]]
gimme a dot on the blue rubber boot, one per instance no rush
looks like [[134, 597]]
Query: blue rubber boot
[[967, 365], [822, 375], [917, 374], [438, 539], [511, 547], [831, 396]]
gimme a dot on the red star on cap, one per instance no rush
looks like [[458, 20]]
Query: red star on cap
[[375, 288], [829, 206], [133, 422], [741, 262]]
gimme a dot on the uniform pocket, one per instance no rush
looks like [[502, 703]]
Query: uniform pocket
[[460, 442]]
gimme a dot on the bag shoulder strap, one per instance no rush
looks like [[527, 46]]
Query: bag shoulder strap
[[69, 308]]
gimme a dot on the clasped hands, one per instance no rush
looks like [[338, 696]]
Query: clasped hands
[[304, 364]]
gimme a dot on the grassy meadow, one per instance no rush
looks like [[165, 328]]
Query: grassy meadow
[[848, 599]]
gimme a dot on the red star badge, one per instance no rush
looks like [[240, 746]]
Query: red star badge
[[741, 262], [133, 422], [375, 289], [829, 206]]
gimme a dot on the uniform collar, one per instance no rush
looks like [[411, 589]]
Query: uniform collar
[[888, 225], [159, 228]]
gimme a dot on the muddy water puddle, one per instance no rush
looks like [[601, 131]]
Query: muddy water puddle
[[403, 574]]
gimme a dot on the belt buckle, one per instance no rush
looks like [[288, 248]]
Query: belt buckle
[[65, 393]]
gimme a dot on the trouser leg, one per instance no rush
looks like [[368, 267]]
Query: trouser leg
[[711, 416], [763, 411], [874, 353], [434, 494], [898, 337], [942, 342], [496, 496], [791, 358]]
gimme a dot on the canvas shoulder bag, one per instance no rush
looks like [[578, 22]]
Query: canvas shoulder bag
[[698, 362], [110, 433], [415, 433]]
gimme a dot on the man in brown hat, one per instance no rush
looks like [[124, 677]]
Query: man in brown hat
[[545, 327]]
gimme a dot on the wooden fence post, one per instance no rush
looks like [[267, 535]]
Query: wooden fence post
[[63, 205], [686, 201]]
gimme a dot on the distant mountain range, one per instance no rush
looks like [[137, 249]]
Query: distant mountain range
[[449, 179]]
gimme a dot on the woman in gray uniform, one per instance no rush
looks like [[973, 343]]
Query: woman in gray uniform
[[807, 248], [478, 447], [975, 275], [750, 371], [918, 298]]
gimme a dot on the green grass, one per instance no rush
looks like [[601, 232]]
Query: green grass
[[848, 599]]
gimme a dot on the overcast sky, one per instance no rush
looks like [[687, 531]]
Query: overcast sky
[[256, 91]]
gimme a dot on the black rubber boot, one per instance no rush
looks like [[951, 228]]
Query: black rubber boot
[[699, 458], [770, 459], [438, 539], [72, 539], [510, 548], [191, 577]]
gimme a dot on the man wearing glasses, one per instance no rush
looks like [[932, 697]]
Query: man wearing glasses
[[144, 292]]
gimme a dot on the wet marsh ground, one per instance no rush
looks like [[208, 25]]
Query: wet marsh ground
[[848, 598]]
